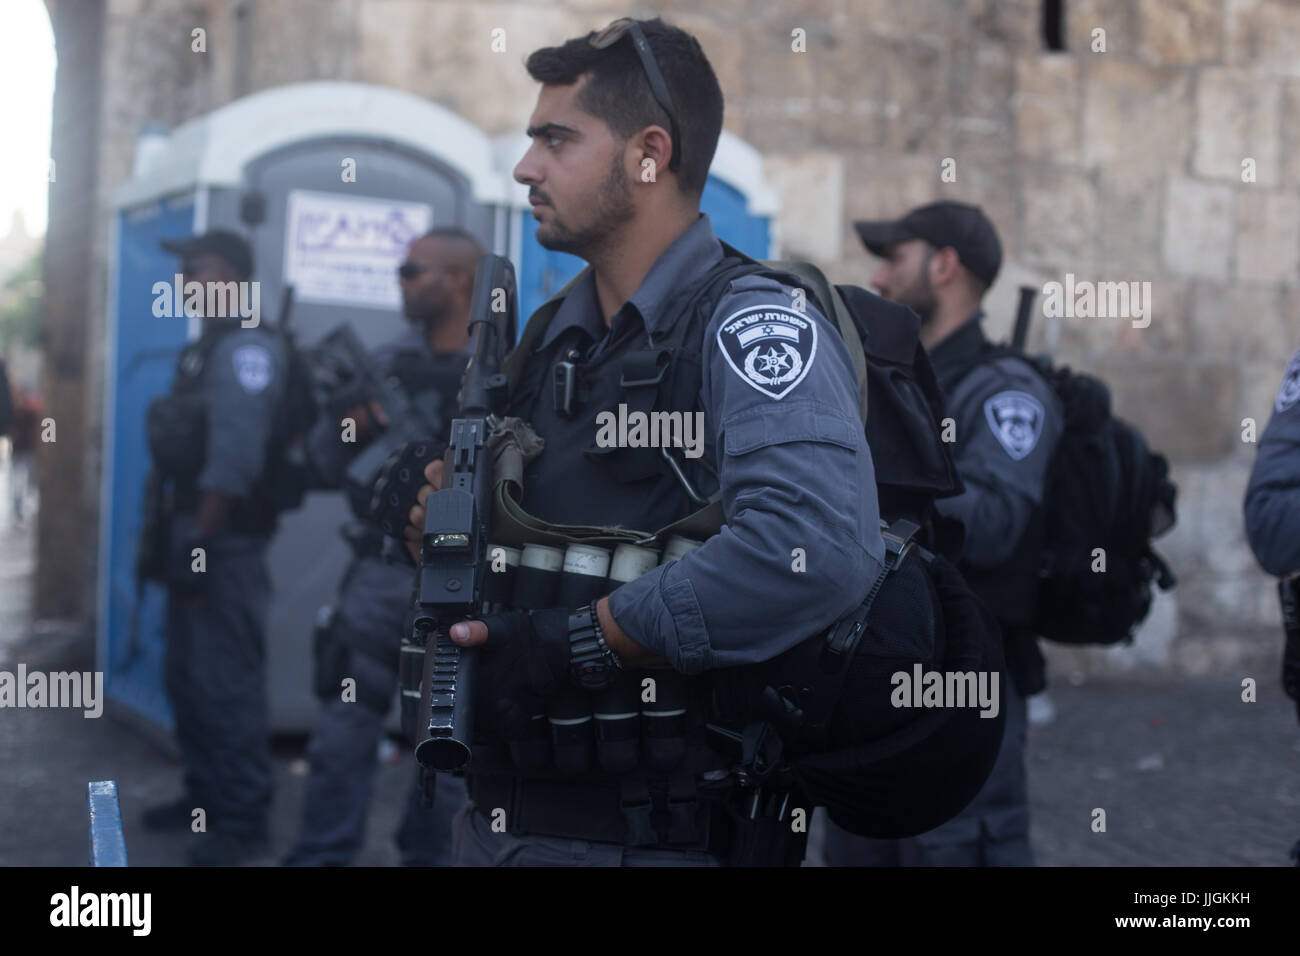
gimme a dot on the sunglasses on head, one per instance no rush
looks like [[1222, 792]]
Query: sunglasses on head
[[626, 26], [409, 270]]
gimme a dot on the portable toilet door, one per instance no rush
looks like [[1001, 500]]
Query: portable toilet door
[[329, 182], [739, 203]]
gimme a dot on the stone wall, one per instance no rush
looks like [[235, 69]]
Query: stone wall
[[1117, 165]]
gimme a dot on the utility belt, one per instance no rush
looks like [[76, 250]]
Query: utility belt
[[251, 515]]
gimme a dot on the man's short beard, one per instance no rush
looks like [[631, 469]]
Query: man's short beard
[[613, 202], [919, 296]]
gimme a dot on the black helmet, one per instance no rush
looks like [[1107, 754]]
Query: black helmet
[[884, 770]]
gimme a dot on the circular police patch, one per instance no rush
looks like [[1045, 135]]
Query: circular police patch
[[1289, 393], [770, 347], [1016, 420], [252, 367]]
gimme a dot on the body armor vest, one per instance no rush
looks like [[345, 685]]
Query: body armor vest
[[178, 429]]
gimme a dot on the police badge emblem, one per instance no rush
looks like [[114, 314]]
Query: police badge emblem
[[1289, 393], [252, 368], [770, 347], [1016, 420]]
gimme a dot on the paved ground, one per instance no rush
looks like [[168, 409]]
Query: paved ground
[[1187, 773]]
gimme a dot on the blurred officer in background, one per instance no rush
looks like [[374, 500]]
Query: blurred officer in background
[[216, 437], [362, 638], [1273, 520], [940, 260]]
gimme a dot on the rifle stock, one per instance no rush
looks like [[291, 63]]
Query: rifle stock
[[406, 423], [1023, 315], [453, 553]]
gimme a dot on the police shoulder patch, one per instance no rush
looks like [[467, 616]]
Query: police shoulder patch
[[770, 347], [1289, 393], [252, 367], [1016, 420]]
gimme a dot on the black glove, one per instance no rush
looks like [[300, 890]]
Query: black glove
[[525, 661], [1291, 671]]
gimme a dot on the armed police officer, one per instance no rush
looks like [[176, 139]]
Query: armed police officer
[[623, 133], [1272, 508], [217, 440], [361, 640], [940, 260]]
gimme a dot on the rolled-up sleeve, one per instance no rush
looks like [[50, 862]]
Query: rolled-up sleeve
[[801, 542]]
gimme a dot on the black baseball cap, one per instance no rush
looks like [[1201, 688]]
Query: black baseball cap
[[947, 223], [218, 242]]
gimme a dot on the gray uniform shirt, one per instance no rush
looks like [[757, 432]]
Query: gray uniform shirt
[[1008, 421], [797, 484], [1273, 494], [243, 386]]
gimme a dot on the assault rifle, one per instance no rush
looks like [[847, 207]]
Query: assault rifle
[[340, 354], [453, 549]]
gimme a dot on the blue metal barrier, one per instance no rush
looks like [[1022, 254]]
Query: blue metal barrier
[[107, 845]]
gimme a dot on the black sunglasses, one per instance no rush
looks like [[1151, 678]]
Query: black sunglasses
[[627, 26], [409, 270]]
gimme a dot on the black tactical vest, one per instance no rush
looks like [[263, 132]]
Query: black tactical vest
[[177, 431], [575, 481]]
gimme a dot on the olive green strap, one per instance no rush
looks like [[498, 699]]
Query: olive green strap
[[514, 527], [826, 294]]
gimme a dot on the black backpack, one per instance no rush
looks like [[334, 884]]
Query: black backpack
[[288, 475], [824, 707], [1106, 489]]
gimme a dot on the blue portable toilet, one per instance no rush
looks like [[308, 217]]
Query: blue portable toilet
[[329, 182], [737, 199]]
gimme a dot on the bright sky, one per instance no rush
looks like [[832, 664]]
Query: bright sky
[[26, 92]]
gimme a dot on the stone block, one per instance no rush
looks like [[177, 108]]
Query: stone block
[[1060, 219], [1238, 322], [1181, 31], [1268, 235], [1130, 226], [444, 51], [1121, 19], [1236, 118], [811, 187], [1198, 228], [1047, 107], [1263, 35], [1185, 409], [1137, 120]]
